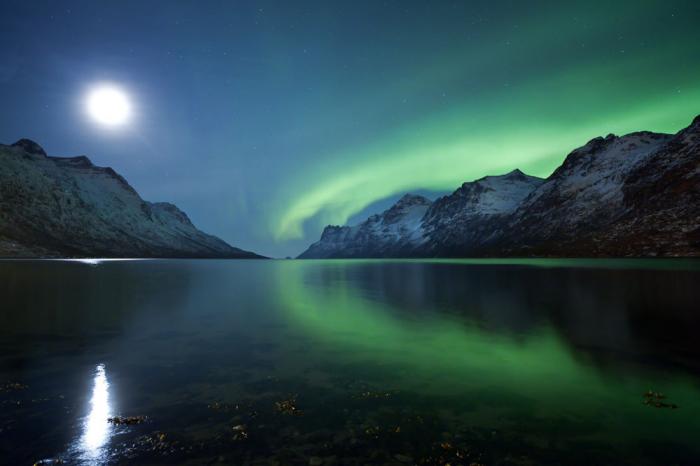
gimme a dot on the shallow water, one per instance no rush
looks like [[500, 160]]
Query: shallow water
[[491, 362]]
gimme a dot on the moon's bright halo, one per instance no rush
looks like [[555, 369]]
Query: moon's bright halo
[[108, 105]]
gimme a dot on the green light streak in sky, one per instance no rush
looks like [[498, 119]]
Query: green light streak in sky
[[442, 154], [522, 105]]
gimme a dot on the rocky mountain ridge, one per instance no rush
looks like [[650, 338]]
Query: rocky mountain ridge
[[389, 233], [617, 196], [68, 207]]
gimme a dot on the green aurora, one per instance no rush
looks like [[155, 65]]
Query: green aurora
[[438, 355], [520, 99], [266, 120]]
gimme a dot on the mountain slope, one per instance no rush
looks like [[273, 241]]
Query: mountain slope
[[471, 217], [68, 207], [635, 195], [662, 201], [395, 231], [416, 227]]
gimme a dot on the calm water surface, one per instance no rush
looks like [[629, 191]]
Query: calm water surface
[[490, 362]]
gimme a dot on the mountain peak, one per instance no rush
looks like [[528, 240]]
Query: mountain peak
[[596, 144], [496, 180], [516, 174], [412, 199], [30, 146]]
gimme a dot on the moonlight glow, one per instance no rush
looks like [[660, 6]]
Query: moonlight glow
[[109, 106]]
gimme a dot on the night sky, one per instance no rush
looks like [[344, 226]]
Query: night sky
[[265, 121]]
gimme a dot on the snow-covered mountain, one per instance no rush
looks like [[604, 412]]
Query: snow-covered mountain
[[635, 195], [394, 232], [68, 207], [470, 217], [414, 226]]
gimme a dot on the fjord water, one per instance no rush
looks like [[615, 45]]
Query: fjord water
[[351, 362]]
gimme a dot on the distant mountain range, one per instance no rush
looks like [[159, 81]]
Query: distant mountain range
[[68, 207], [632, 196]]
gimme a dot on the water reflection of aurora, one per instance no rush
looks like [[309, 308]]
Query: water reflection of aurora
[[442, 355]]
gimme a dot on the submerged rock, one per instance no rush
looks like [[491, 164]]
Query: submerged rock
[[653, 399], [288, 406], [126, 420]]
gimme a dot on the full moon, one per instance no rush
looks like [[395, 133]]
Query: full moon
[[109, 105]]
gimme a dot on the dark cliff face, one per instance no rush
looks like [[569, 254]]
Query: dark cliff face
[[68, 207], [662, 199], [634, 195], [582, 200]]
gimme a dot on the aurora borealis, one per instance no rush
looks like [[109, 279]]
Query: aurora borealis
[[413, 334], [267, 120], [503, 119]]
